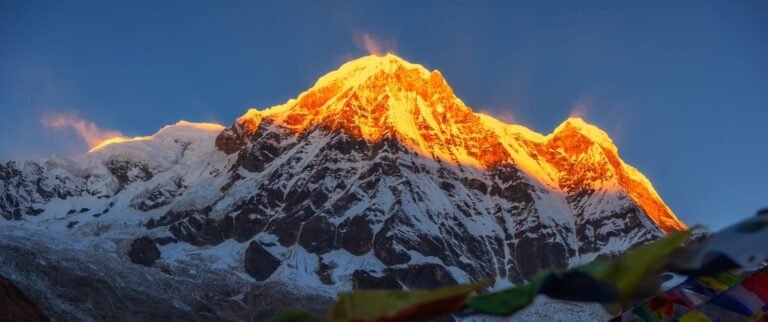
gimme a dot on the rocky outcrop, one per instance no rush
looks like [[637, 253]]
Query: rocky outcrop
[[232, 139], [259, 262], [128, 172], [364, 280], [144, 251], [70, 282], [424, 276], [16, 306]]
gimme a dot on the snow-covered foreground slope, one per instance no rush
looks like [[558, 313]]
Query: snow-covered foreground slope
[[376, 177], [84, 279]]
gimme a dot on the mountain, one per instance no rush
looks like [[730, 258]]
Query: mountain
[[377, 176]]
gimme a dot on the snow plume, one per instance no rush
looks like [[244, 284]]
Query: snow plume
[[87, 130], [580, 108], [373, 45], [501, 115]]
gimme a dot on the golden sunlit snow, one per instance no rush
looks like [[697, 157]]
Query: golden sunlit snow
[[377, 97]]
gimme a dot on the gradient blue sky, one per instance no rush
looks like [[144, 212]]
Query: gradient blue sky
[[681, 86]]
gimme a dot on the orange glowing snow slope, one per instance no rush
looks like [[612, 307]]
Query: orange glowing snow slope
[[200, 126], [376, 97], [385, 96]]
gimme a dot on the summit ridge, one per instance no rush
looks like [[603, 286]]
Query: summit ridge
[[377, 97]]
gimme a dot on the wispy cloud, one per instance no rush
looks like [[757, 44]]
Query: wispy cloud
[[87, 130], [373, 45]]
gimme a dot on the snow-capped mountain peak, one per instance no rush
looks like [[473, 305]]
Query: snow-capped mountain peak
[[378, 97], [376, 176], [371, 97], [574, 125]]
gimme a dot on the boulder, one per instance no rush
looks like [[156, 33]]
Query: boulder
[[144, 251], [364, 280], [423, 276], [260, 263]]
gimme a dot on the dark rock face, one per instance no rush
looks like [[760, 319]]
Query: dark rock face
[[259, 262], [19, 190], [162, 241], [314, 235], [128, 172], [266, 301], [15, 306], [254, 150], [144, 251], [158, 196], [364, 280], [537, 254], [25, 185], [421, 276], [199, 230], [424, 276], [324, 271], [356, 236], [231, 139]]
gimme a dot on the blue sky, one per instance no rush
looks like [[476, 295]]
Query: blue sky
[[681, 86]]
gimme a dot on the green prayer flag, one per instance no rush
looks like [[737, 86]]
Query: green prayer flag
[[647, 315], [632, 273], [506, 302]]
